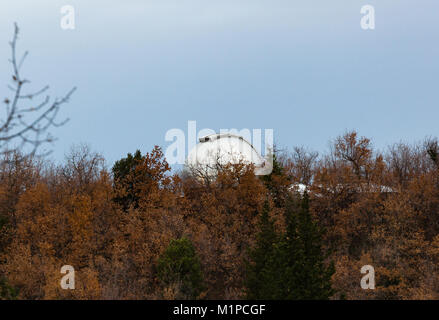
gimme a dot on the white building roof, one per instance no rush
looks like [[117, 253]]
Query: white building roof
[[225, 148]]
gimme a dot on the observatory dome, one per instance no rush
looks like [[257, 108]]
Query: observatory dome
[[223, 149]]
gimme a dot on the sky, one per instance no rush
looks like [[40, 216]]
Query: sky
[[305, 69]]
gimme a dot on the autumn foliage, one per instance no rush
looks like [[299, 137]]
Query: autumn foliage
[[119, 227]]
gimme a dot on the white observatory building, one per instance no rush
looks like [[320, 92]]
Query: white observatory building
[[220, 149]]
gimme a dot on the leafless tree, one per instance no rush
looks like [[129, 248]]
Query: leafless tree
[[83, 167], [406, 161], [301, 164], [27, 122]]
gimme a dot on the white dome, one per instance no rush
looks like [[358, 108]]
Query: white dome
[[299, 187], [223, 149]]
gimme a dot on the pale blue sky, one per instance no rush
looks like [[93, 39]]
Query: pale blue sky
[[303, 68]]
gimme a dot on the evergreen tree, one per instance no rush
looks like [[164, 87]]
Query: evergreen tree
[[6, 291], [123, 172], [290, 266], [179, 264], [432, 147], [304, 274], [259, 276], [277, 183]]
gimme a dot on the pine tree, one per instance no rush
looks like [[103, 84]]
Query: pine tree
[[7, 292], [259, 277], [123, 171], [180, 265], [290, 266], [277, 183], [303, 274]]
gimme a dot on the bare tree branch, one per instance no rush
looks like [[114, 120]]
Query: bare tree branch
[[26, 124]]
